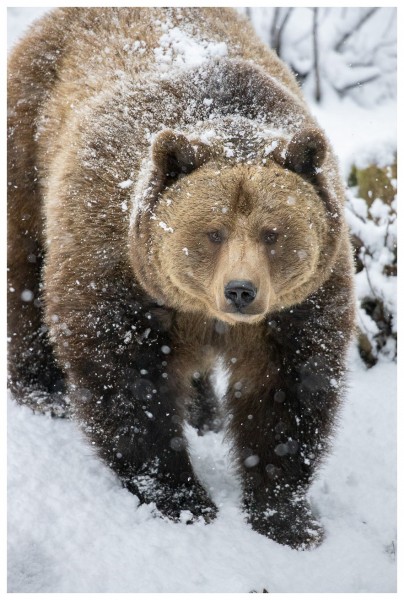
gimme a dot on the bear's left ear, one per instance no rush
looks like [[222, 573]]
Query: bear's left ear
[[173, 155], [306, 151]]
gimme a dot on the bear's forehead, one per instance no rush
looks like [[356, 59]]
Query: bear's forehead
[[243, 188]]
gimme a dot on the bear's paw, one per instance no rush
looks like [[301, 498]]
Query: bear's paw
[[186, 503], [288, 522]]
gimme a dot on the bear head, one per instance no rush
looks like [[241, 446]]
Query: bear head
[[234, 239]]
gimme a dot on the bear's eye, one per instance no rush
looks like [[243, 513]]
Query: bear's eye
[[269, 236], [215, 236]]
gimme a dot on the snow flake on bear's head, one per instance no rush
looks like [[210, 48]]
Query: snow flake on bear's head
[[271, 147], [181, 50], [166, 228], [125, 184]]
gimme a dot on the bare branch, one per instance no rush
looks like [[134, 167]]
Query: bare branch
[[274, 27], [365, 17], [317, 92], [278, 28], [368, 63], [350, 86]]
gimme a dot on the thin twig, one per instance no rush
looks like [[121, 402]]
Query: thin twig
[[343, 90], [356, 28], [277, 29], [272, 33], [317, 93]]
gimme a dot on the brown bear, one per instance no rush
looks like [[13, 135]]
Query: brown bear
[[171, 200]]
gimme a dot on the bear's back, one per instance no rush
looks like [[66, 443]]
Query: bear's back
[[81, 49]]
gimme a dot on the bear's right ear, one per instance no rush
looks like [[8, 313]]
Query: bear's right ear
[[173, 155]]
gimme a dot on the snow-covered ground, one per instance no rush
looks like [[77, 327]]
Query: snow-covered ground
[[72, 528]]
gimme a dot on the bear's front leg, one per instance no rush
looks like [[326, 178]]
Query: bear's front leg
[[118, 357], [283, 396]]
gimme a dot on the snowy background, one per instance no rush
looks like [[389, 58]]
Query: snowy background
[[72, 528]]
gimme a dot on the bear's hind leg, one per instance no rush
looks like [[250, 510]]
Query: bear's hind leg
[[204, 412], [35, 379]]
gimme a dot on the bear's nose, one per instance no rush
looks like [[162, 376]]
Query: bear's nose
[[240, 292]]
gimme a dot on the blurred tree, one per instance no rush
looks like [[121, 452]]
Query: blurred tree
[[341, 51]]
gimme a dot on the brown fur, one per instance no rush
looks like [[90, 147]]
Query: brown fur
[[229, 179]]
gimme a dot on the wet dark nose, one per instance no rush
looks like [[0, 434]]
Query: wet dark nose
[[240, 293]]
